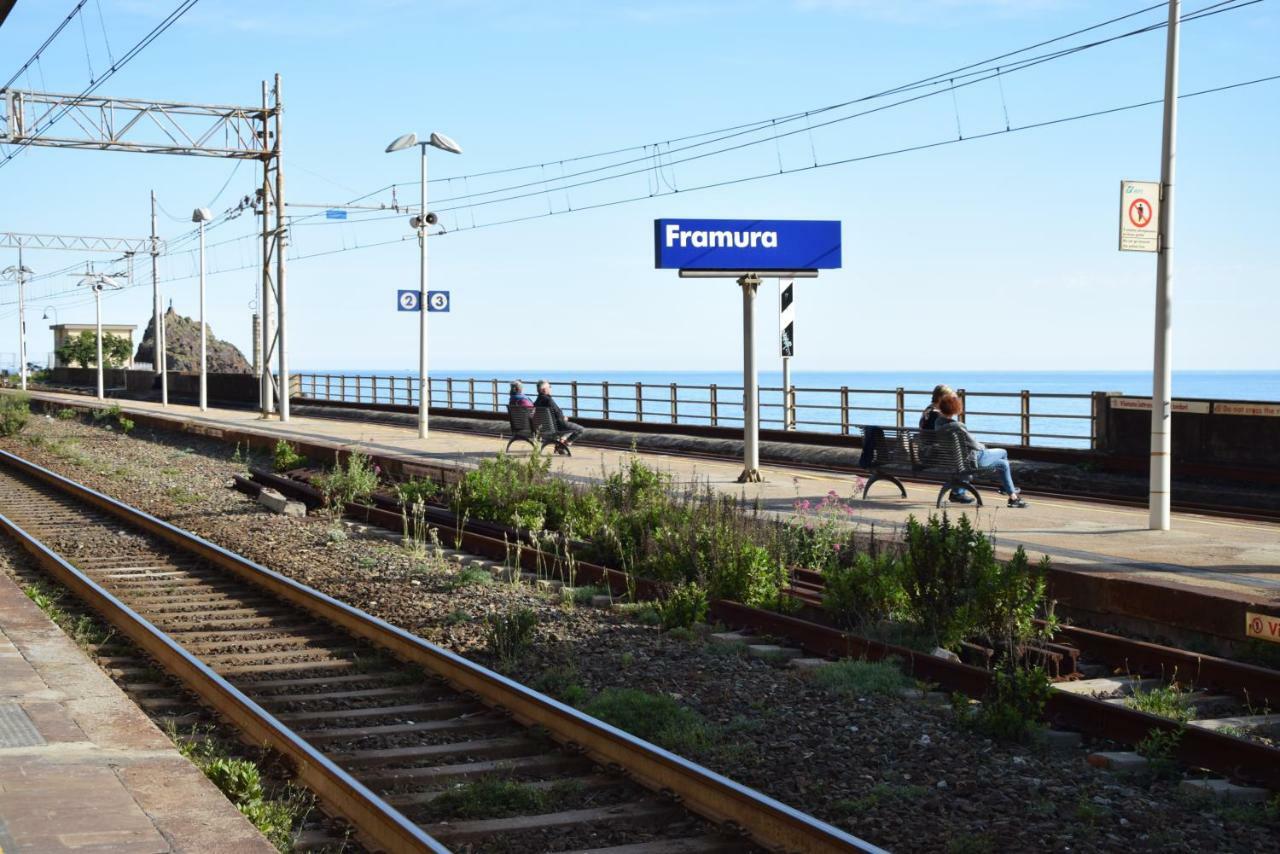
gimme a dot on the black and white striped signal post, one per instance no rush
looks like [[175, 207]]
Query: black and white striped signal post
[[787, 347]]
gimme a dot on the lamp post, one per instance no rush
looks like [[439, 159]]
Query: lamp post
[[97, 281], [20, 273], [201, 216], [420, 222]]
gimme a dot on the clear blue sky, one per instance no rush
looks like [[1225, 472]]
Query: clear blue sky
[[996, 253]]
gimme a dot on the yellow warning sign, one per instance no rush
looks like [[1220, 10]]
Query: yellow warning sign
[[1262, 626]]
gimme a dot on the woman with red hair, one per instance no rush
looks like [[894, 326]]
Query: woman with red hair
[[982, 456]]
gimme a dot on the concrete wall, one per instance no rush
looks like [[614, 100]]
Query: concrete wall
[[228, 388], [1251, 441]]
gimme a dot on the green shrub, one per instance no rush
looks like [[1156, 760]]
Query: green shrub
[[238, 779], [1160, 747], [1007, 598], [126, 424], [108, 413], [1014, 708], [67, 414], [509, 635], [416, 490], [941, 564], [353, 482], [15, 410], [685, 605], [286, 458], [654, 717], [867, 592]]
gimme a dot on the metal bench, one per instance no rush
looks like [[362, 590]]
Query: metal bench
[[889, 449], [534, 426]]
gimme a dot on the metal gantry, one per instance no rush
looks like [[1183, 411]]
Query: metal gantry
[[100, 123]]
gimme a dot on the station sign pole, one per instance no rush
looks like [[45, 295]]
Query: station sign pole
[[750, 384], [748, 250]]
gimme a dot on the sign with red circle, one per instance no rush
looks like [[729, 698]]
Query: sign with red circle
[[1139, 216], [1140, 213]]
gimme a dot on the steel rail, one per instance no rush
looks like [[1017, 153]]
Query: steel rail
[[766, 821], [345, 795], [1197, 747]]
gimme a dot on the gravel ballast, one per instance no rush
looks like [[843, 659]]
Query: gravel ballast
[[893, 770]]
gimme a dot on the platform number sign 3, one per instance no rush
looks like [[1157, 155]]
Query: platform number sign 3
[[437, 300], [786, 317], [407, 301]]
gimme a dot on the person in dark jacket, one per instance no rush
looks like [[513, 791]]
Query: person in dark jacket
[[929, 421], [980, 455], [566, 430]]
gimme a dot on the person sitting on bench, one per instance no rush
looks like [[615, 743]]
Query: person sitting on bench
[[929, 421], [566, 430], [518, 397], [982, 456]]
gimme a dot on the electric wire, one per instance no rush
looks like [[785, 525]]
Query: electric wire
[[169, 20], [723, 183]]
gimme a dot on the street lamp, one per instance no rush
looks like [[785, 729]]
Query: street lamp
[[97, 281], [420, 222], [201, 216], [20, 273]]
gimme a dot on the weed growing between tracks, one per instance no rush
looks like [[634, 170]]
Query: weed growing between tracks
[[863, 678], [1167, 701], [82, 628], [275, 813]]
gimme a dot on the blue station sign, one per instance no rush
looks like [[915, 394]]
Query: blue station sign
[[751, 245]]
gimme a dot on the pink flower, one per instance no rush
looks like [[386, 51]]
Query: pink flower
[[836, 547]]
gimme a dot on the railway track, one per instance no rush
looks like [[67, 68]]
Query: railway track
[[376, 722], [1229, 725]]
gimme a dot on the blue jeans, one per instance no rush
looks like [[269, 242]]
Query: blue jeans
[[998, 458]]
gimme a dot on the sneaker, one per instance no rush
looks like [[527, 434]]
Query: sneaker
[[961, 498], [1016, 501]]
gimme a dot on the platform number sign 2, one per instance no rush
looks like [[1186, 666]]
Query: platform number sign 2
[[786, 317], [407, 301]]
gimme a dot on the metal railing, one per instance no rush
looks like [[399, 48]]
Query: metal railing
[[1022, 418]]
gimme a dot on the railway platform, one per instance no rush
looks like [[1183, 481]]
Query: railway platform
[[1205, 575], [82, 768]]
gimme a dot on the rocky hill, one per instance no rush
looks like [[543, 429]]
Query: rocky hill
[[182, 337]]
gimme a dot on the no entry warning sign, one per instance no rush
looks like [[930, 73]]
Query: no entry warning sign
[[1139, 216]]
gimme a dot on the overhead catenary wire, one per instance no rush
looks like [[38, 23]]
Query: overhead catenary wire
[[948, 141], [183, 7]]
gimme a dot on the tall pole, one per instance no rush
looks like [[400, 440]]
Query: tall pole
[[22, 321], [424, 384], [265, 393], [750, 386], [157, 322], [204, 335], [97, 304], [1162, 373], [281, 238]]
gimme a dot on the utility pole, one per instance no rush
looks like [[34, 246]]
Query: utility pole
[[1162, 373], [19, 275], [22, 321], [158, 343], [281, 238]]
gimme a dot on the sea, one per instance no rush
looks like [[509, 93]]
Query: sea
[[1059, 412]]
